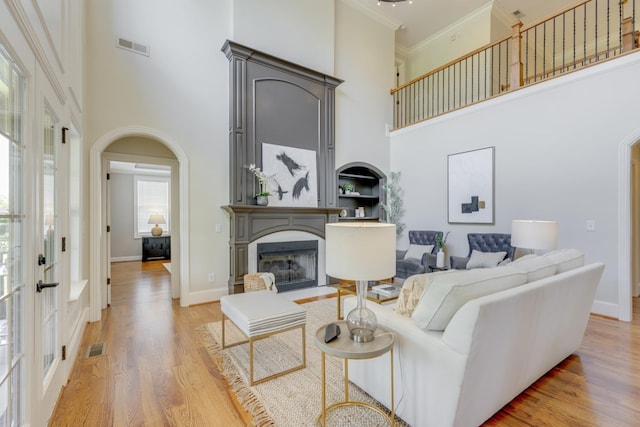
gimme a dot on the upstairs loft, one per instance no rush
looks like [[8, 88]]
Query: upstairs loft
[[590, 32]]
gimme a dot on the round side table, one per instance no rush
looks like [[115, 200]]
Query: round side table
[[345, 348]]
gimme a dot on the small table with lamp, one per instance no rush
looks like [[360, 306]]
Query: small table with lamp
[[346, 348]]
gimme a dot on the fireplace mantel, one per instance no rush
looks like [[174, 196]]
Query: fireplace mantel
[[250, 222]]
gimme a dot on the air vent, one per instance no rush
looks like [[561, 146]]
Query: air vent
[[96, 350], [132, 46]]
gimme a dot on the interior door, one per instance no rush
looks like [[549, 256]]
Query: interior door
[[48, 295]]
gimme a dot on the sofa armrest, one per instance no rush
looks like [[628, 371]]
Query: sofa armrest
[[428, 260], [400, 254], [458, 262]]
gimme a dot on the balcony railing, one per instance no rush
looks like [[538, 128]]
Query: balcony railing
[[589, 32]]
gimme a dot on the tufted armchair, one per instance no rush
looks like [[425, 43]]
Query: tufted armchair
[[484, 242], [410, 266]]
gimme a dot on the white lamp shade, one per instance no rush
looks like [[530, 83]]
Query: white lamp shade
[[360, 250], [530, 234], [157, 219]]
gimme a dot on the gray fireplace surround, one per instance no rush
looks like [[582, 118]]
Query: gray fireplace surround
[[274, 101]]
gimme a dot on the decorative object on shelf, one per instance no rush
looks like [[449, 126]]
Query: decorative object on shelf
[[470, 186], [348, 188], [533, 235], [263, 183], [361, 212], [156, 219], [394, 205], [343, 213], [373, 259], [440, 242], [293, 172]]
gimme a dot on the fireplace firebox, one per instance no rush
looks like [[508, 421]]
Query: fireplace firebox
[[294, 264]]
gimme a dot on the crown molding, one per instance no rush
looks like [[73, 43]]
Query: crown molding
[[449, 28], [385, 20]]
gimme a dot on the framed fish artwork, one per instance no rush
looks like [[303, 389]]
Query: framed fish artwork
[[293, 175]]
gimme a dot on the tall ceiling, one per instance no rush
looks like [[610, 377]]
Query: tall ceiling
[[422, 19]]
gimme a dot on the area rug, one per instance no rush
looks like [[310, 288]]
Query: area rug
[[293, 399], [167, 265]]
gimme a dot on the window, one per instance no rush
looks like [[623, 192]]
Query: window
[[152, 196]]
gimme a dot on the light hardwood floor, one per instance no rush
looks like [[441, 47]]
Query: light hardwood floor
[[156, 371]]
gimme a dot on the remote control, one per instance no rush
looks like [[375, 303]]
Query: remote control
[[331, 332]]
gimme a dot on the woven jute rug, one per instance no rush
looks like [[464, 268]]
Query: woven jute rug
[[293, 399]]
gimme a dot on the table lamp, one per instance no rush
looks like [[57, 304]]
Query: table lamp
[[531, 234], [156, 219], [361, 251]]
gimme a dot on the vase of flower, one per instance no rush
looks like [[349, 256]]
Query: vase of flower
[[262, 200], [440, 258], [440, 242], [262, 197]]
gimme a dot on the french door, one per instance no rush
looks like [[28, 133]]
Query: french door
[[14, 273], [48, 270]]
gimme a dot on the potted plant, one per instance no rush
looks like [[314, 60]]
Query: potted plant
[[262, 196], [348, 188]]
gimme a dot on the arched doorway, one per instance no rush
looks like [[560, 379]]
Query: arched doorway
[[98, 255]]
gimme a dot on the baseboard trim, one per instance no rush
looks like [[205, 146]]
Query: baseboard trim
[[607, 309], [126, 258], [202, 297]]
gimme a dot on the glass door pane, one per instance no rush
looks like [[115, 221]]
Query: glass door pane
[[50, 295], [12, 239]]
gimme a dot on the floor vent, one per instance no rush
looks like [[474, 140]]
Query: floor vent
[[132, 46], [96, 350]]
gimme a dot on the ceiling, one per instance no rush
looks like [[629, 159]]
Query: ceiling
[[422, 19]]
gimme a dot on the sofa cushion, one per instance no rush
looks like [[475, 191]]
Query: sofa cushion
[[416, 251], [448, 292], [536, 267], [566, 259], [412, 290], [485, 259]]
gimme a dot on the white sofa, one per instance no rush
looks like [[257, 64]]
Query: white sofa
[[493, 346]]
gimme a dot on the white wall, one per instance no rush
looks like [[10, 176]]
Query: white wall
[[298, 31], [180, 90], [557, 152], [458, 39], [365, 61], [123, 245]]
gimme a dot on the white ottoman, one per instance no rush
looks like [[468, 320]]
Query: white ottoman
[[262, 314]]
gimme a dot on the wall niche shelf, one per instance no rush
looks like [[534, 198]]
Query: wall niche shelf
[[360, 186]]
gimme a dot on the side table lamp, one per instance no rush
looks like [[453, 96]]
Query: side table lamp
[[361, 251], [156, 219], [533, 235]]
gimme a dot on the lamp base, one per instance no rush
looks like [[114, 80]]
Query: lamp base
[[156, 231], [361, 321]]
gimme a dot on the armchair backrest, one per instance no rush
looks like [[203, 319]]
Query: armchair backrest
[[424, 237], [491, 242]]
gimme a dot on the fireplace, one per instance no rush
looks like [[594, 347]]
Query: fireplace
[[294, 264]]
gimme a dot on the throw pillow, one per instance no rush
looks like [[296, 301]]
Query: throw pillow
[[416, 251], [566, 259], [535, 267], [485, 259], [448, 292], [412, 289]]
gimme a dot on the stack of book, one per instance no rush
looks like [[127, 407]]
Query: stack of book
[[386, 289]]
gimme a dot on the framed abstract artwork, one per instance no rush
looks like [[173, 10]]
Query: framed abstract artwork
[[293, 175], [470, 186]]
